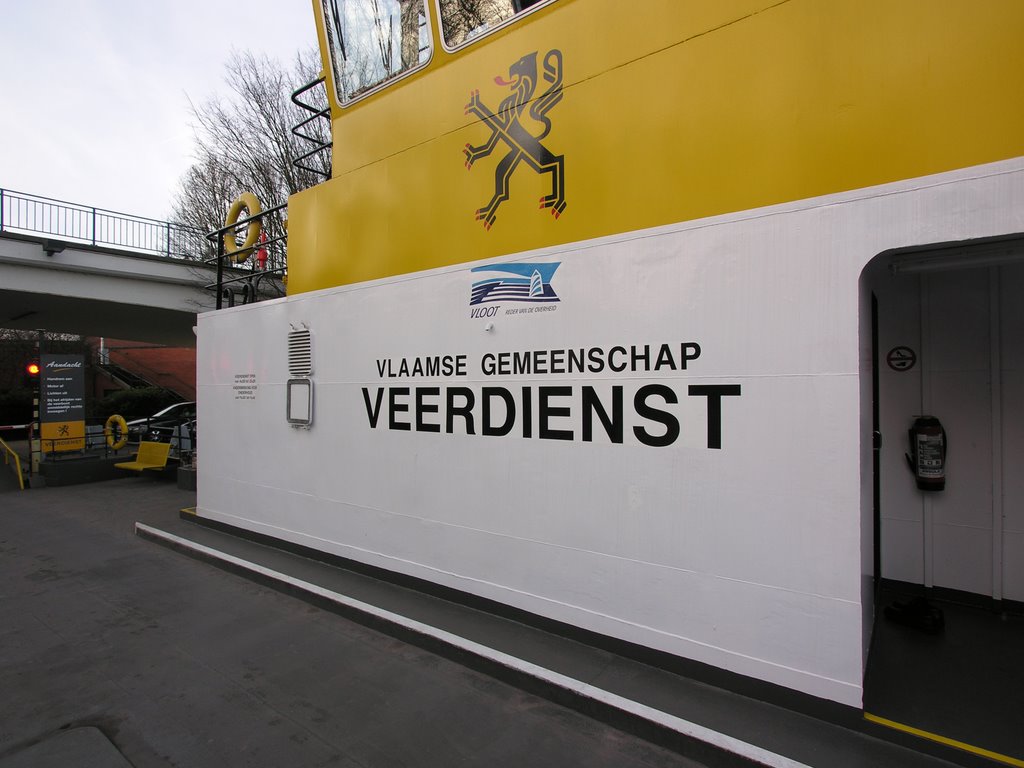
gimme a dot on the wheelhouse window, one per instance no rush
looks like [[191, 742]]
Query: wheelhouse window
[[464, 20], [374, 41]]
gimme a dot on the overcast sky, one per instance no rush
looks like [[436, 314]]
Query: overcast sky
[[94, 94]]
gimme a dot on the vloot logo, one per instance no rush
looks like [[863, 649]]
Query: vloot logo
[[516, 282]]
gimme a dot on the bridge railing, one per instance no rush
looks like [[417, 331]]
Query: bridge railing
[[31, 214]]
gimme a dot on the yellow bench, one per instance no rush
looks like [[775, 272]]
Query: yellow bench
[[150, 456]]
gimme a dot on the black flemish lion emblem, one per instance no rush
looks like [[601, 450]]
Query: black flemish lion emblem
[[506, 126]]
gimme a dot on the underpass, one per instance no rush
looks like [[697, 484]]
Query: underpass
[[72, 268]]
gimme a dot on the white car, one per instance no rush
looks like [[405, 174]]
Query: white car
[[162, 425]]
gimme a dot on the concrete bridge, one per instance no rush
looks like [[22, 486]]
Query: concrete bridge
[[74, 269]]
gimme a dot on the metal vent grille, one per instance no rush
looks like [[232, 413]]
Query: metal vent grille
[[300, 352]]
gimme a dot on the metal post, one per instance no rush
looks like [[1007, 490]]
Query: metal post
[[168, 238], [94, 226], [220, 271], [36, 444], [1, 209]]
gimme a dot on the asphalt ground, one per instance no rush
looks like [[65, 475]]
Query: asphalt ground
[[123, 651], [178, 663]]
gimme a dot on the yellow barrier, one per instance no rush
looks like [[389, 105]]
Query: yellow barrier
[[8, 453]]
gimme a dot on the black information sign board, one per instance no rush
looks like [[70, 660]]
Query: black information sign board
[[62, 406]]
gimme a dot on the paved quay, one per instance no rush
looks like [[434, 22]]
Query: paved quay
[[174, 661], [179, 663]]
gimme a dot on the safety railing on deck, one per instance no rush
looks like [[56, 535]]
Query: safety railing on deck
[[31, 214], [10, 454], [98, 441], [265, 277], [314, 131]]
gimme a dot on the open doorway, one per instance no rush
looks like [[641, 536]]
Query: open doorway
[[947, 655]]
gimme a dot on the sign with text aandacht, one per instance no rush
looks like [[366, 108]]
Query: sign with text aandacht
[[62, 407]]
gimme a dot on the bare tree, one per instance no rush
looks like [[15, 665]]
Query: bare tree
[[244, 143], [462, 19]]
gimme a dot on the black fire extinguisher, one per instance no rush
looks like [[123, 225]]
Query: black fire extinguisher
[[927, 457]]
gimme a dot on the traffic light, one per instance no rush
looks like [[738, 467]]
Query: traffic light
[[31, 376]]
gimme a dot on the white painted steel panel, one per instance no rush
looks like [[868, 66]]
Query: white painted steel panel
[[963, 558], [902, 512], [958, 391], [1012, 357], [748, 557], [902, 543], [1013, 565], [962, 400]]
